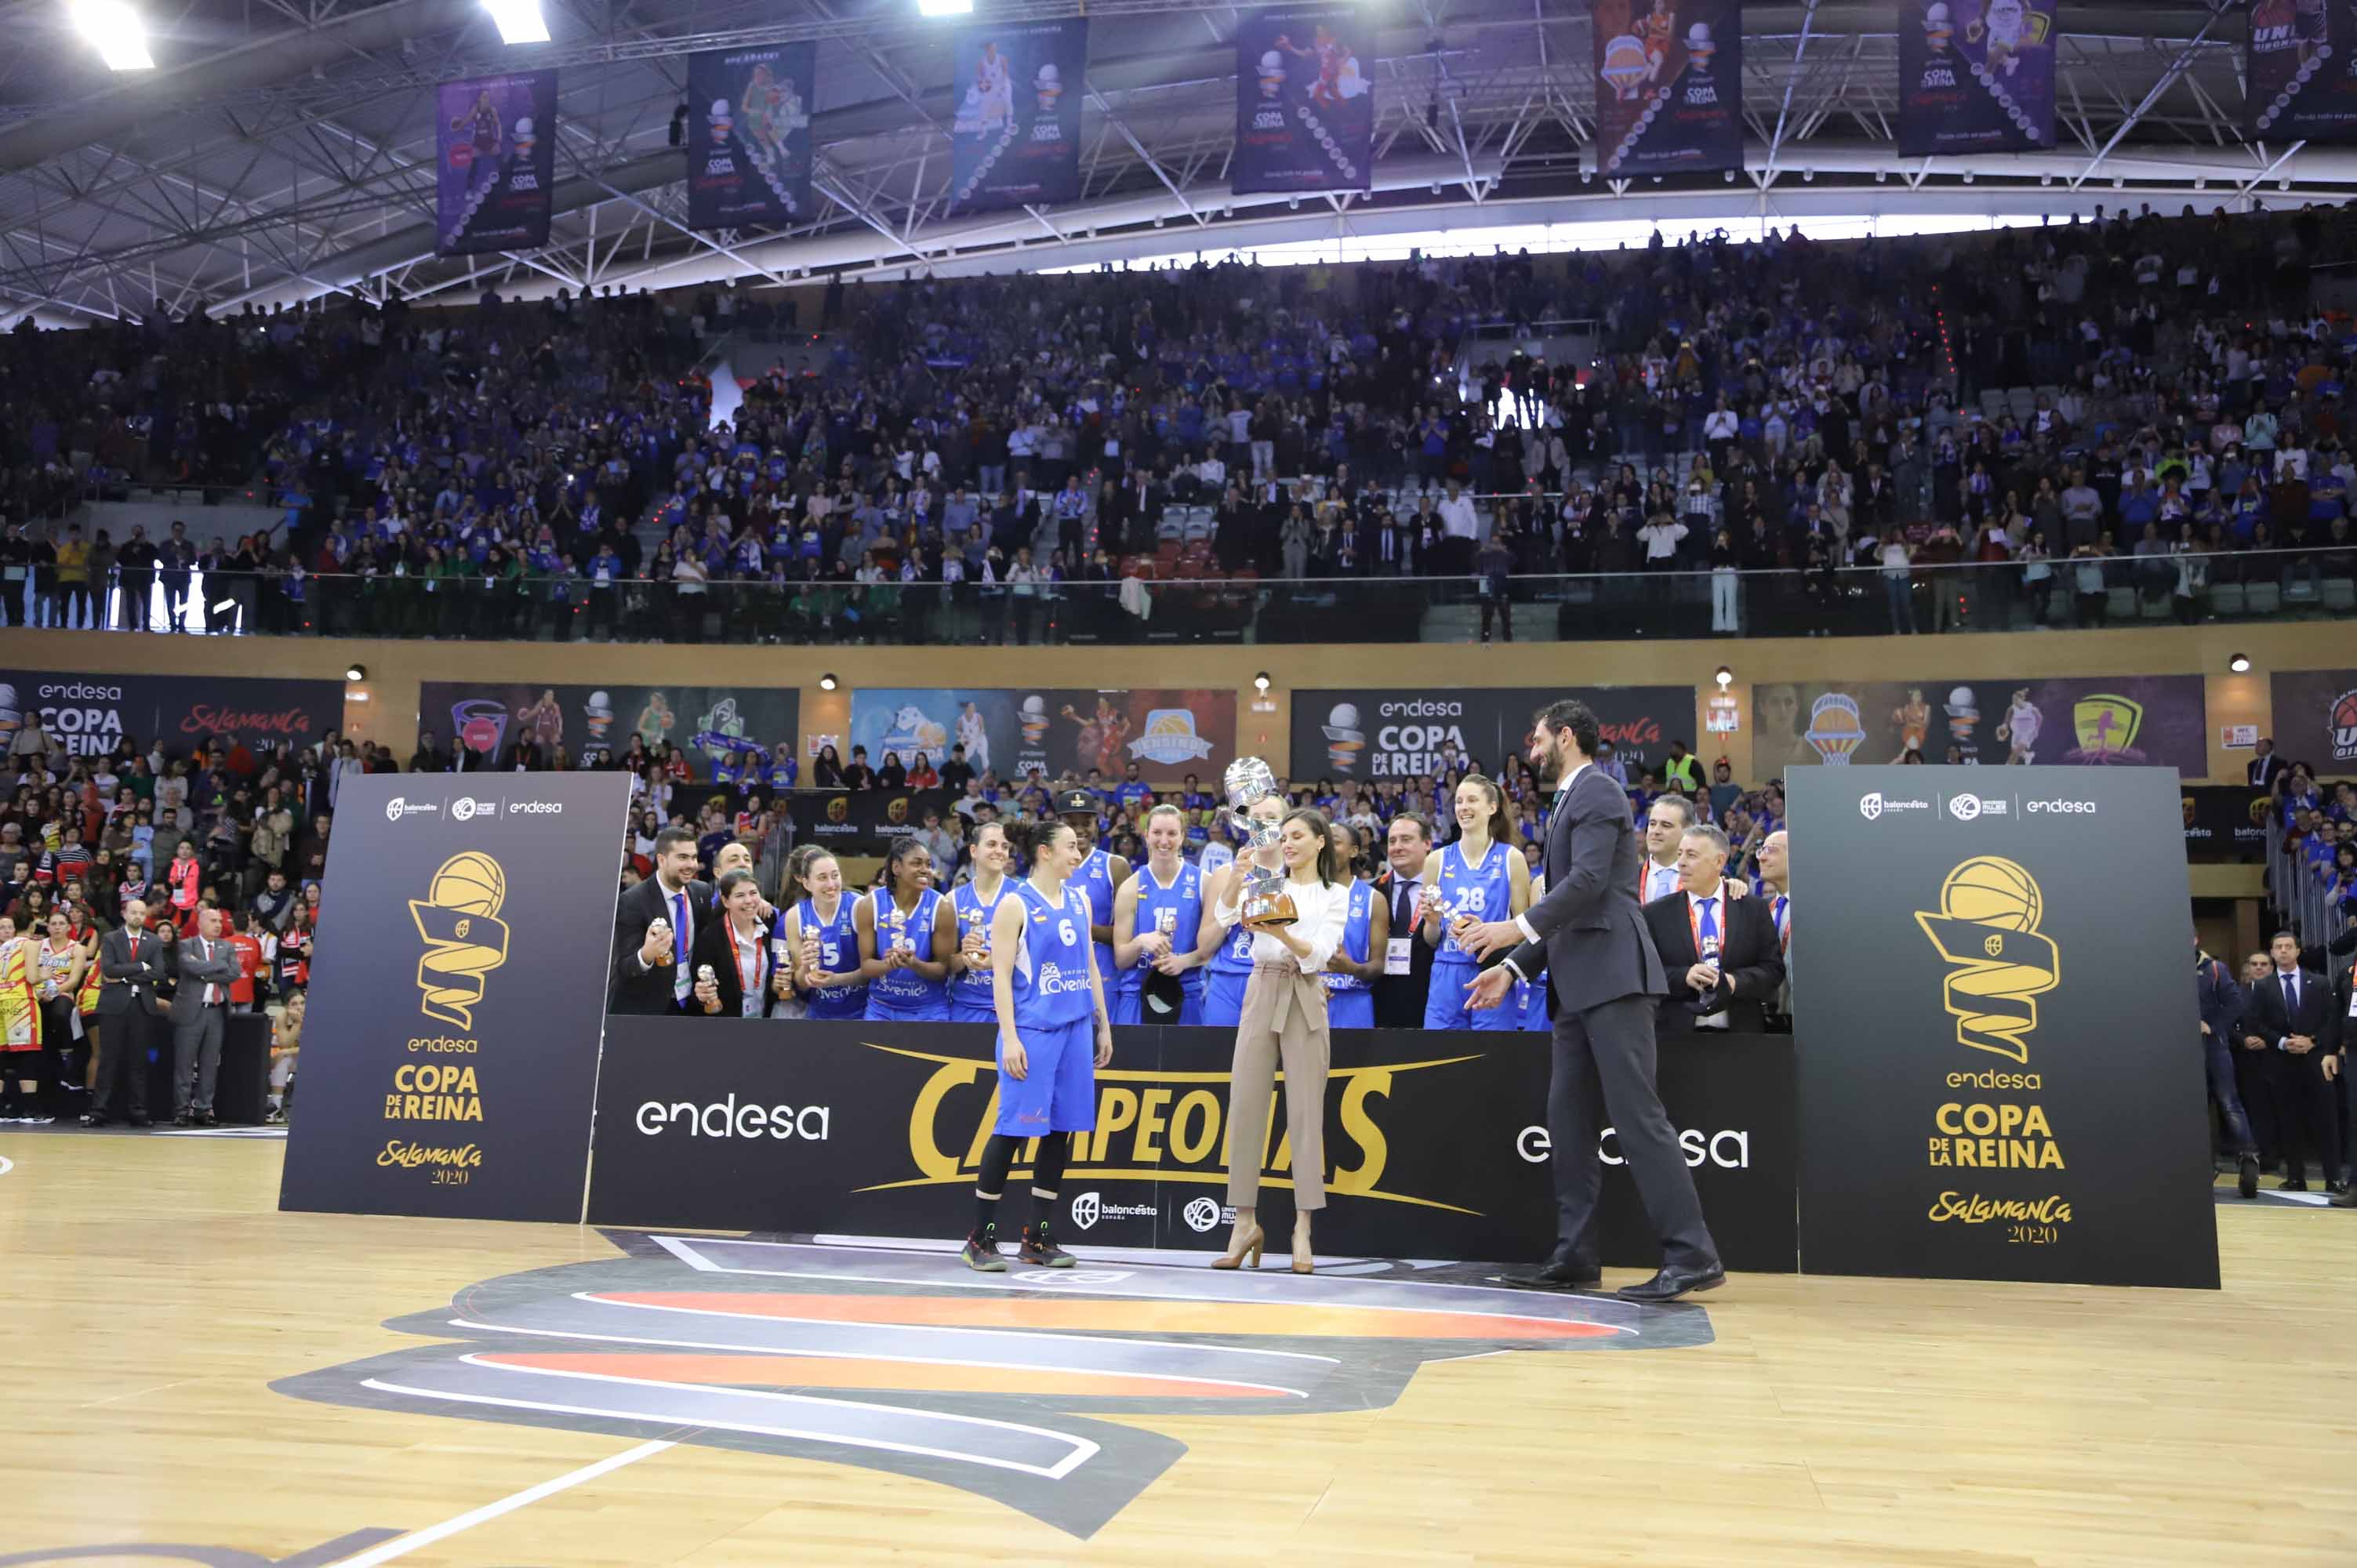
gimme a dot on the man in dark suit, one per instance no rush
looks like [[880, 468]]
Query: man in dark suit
[[2344, 998], [1589, 935], [1719, 952], [2290, 1013], [656, 926], [1399, 998], [2264, 765], [206, 967], [130, 963]]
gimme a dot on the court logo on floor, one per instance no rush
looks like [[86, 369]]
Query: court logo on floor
[[1012, 1386]]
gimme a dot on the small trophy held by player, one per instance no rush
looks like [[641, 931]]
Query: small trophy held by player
[[1264, 901]]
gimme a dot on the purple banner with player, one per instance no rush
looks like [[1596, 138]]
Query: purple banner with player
[[1975, 76], [1305, 101], [1669, 87], [2301, 80], [495, 163], [1016, 138], [749, 141]]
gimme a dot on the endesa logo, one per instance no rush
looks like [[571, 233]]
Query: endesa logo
[[535, 809], [1729, 1149], [726, 1119], [2059, 808]]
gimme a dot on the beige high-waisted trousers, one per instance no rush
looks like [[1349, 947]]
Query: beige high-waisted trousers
[[1284, 1020]]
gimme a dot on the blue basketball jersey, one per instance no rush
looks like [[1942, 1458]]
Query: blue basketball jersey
[[1176, 911], [838, 953], [1358, 931], [1051, 971], [1484, 891], [971, 986], [1094, 882], [1234, 955], [904, 991]]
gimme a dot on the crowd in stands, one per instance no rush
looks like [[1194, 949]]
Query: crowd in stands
[[2134, 401]]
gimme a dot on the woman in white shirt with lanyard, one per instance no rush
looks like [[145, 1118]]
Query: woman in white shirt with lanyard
[[1284, 1018]]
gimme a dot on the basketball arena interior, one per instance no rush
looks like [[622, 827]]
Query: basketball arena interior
[[996, 781]]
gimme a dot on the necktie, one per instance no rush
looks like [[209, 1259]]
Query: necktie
[[1403, 904], [1783, 923], [2291, 994], [679, 979], [1706, 927], [205, 952]]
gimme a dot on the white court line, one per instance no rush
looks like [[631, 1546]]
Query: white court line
[[6, 1165], [788, 1352], [402, 1546]]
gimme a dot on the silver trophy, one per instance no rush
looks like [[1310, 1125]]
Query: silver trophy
[[1264, 902]]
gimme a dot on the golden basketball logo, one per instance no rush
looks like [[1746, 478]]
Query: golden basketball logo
[[897, 808], [1987, 927], [465, 939], [839, 808]]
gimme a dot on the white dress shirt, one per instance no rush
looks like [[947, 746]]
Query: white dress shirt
[[1523, 921], [1319, 908]]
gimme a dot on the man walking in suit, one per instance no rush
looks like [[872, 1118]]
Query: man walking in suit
[[656, 926], [2344, 1017], [130, 962], [1589, 934], [1399, 998], [1719, 953], [206, 968], [2291, 1015], [2264, 765]]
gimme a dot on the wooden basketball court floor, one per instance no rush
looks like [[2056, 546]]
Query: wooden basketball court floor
[[195, 1377]]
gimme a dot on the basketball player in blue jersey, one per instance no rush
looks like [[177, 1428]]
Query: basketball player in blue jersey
[[1101, 872], [1531, 996], [1350, 975], [1050, 1001], [1161, 939], [1481, 877], [974, 905], [902, 924], [825, 938], [1225, 977]]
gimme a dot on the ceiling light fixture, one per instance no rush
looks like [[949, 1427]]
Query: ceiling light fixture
[[113, 28], [355, 671], [2240, 663], [945, 8], [519, 21]]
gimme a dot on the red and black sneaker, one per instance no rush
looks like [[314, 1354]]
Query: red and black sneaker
[[1040, 1248], [981, 1251]]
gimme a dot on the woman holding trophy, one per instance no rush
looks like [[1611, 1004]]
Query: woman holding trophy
[[1295, 919], [1159, 934], [1225, 977], [1481, 878], [975, 903], [901, 925]]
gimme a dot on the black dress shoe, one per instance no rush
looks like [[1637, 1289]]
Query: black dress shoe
[[207, 1119], [2336, 1188], [2344, 1198], [1672, 1283], [1558, 1272], [137, 1121], [2247, 1182], [2294, 1184], [95, 1120], [185, 1119]]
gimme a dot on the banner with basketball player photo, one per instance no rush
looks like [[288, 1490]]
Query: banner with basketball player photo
[[1392, 733], [457, 996], [748, 142], [1669, 87], [2136, 721], [2000, 1064], [2316, 720], [1014, 139], [1975, 76], [494, 162], [726, 733], [2297, 77], [1169, 734], [1304, 101]]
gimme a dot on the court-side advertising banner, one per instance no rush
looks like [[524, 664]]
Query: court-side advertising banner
[[495, 163], [1999, 1059], [1167, 734], [2153, 721], [1016, 137], [1975, 76], [1669, 86], [748, 142], [89, 716], [2300, 77], [1391, 733], [2316, 719], [1435, 1144], [460, 983], [718, 727], [1304, 101]]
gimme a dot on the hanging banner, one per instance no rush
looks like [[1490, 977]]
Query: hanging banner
[[2224, 823], [90, 716], [729, 734], [2000, 1064], [1167, 734], [2137, 721], [461, 973], [2301, 71], [861, 821], [748, 143], [1016, 138], [2316, 719], [1975, 76], [495, 163], [1669, 86], [1305, 101], [1391, 733]]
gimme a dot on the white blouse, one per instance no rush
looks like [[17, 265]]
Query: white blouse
[[1320, 907]]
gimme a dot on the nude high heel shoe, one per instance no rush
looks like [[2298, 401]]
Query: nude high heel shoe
[[1247, 1251], [1303, 1260]]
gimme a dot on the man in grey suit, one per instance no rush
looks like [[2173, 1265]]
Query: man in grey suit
[[1589, 935], [130, 963], [208, 966]]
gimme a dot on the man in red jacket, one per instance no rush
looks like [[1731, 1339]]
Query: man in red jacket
[[247, 943]]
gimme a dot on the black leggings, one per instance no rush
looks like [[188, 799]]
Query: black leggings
[[998, 1159]]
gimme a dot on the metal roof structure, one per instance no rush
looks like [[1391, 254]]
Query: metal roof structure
[[283, 149]]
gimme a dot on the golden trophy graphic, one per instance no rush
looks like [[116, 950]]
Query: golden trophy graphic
[[465, 939], [1987, 927]]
